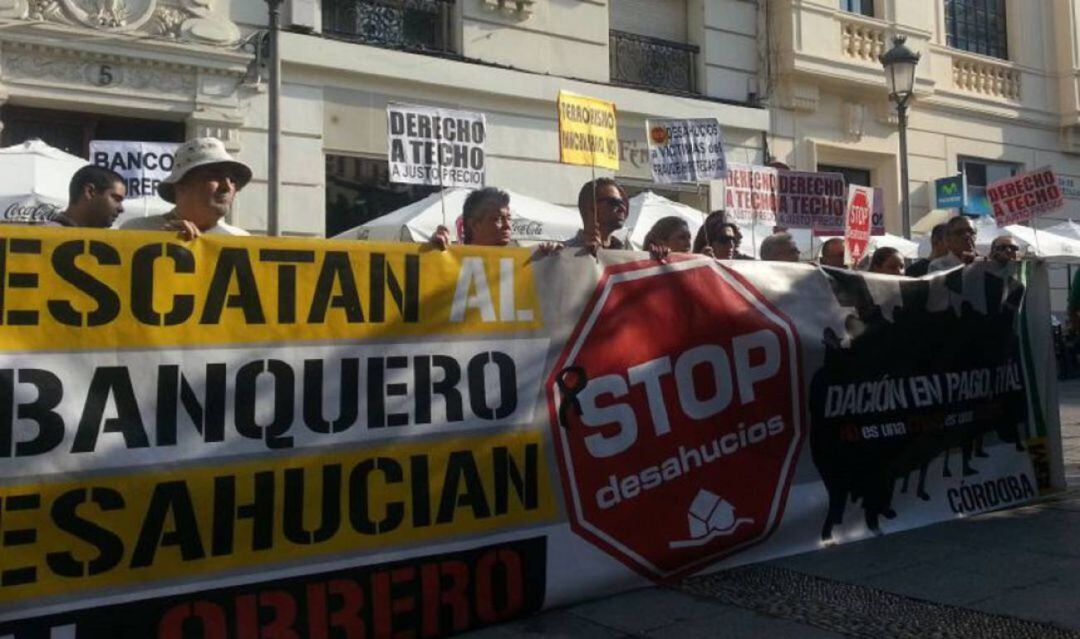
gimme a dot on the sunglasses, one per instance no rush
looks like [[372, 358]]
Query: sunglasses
[[724, 239], [1008, 247], [613, 202]]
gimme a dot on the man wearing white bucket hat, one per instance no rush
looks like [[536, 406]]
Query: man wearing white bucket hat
[[203, 184]]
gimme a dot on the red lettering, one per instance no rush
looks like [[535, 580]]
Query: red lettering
[[509, 564], [386, 607], [209, 615], [437, 594]]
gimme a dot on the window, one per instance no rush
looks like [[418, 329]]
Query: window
[[977, 26], [862, 7], [72, 132], [858, 177], [978, 174], [648, 45], [413, 25], [358, 190]]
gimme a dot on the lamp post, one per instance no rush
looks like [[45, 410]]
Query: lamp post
[[273, 146], [899, 63]]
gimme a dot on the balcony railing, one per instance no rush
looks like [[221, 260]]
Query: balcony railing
[[414, 25], [651, 63], [988, 78]]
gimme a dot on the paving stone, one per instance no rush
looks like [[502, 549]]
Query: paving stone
[[644, 610]]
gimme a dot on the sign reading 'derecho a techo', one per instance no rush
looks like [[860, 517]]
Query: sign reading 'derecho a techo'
[[1025, 196], [795, 199], [436, 147]]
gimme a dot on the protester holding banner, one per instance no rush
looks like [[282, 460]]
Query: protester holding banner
[[832, 253], [960, 240], [671, 232], [95, 199], [938, 249], [1004, 249], [719, 239], [204, 181], [887, 261], [779, 247], [485, 220], [603, 206]]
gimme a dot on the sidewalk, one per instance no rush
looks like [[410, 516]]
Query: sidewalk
[[1007, 574]]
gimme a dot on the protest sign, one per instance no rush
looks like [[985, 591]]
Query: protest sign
[[857, 222], [686, 151], [1022, 197], [588, 131], [278, 437], [143, 165], [794, 199], [877, 221], [436, 147]]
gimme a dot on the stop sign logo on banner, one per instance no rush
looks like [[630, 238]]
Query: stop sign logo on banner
[[857, 221], [677, 425]]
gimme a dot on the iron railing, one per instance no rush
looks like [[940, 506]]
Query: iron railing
[[651, 63], [413, 25]]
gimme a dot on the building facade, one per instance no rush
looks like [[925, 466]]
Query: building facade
[[166, 70], [996, 93]]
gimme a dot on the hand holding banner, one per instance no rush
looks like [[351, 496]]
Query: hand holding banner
[[587, 132], [860, 204], [686, 151]]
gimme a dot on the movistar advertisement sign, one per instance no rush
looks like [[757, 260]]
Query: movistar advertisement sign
[[949, 192]]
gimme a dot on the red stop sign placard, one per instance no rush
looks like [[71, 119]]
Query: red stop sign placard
[[857, 221], [676, 413]]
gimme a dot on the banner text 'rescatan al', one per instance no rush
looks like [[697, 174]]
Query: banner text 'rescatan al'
[[65, 290]]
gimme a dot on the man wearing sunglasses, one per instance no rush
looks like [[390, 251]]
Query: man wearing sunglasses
[[1004, 249], [601, 222], [960, 240]]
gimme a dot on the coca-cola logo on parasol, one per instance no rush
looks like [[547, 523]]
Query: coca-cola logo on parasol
[[676, 414], [30, 213]]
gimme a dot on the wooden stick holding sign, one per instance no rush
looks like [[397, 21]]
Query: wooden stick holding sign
[[687, 152], [588, 136], [436, 147]]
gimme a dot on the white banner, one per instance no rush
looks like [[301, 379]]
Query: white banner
[[437, 147], [143, 165], [686, 151], [260, 433]]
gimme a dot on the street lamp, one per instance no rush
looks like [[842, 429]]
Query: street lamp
[[899, 63], [274, 115]]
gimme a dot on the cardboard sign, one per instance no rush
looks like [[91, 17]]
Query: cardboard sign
[[686, 151], [436, 147], [1025, 196], [143, 165], [949, 192], [588, 134], [857, 222], [795, 199]]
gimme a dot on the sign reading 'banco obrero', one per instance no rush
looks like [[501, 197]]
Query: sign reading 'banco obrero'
[[675, 411]]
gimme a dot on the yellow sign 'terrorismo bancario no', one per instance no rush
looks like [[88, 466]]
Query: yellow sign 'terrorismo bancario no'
[[587, 131]]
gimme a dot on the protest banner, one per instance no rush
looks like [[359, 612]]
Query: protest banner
[[1022, 197], [857, 222], [794, 199], [143, 165], [436, 147], [279, 437], [686, 151], [588, 131]]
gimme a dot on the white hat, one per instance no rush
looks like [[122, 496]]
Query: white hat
[[200, 152]]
